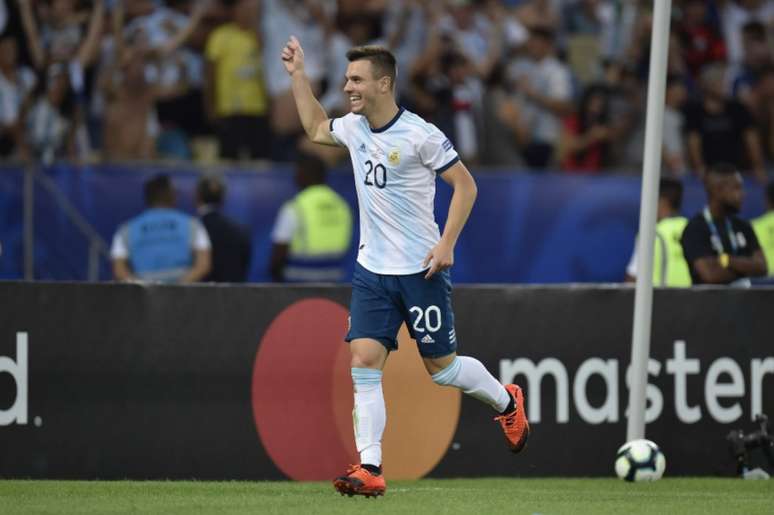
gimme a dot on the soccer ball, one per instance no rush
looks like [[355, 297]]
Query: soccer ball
[[640, 460]]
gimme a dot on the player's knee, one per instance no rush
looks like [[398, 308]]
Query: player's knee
[[367, 354], [447, 376], [365, 360]]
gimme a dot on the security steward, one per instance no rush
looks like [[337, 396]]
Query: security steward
[[764, 229], [161, 244], [669, 266], [313, 231]]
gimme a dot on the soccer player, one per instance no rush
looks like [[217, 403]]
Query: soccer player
[[401, 274]]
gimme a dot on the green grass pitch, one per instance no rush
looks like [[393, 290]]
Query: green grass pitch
[[428, 496]]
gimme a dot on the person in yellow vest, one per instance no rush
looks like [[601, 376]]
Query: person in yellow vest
[[313, 230], [764, 229], [669, 266]]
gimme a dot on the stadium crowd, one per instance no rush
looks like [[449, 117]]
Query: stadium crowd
[[527, 84]]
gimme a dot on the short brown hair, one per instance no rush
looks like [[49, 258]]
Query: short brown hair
[[381, 59]]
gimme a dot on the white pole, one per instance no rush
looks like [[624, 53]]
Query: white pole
[[643, 298]]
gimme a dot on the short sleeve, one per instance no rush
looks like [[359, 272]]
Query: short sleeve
[[201, 240], [339, 130], [631, 268], [437, 152], [119, 249], [696, 241], [285, 226]]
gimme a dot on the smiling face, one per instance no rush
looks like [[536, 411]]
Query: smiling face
[[364, 89]]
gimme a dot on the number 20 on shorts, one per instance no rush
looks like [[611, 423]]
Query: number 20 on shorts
[[428, 320]]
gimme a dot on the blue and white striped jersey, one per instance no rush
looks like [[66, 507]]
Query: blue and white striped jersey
[[395, 168]]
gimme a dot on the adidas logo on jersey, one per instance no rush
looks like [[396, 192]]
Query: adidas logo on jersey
[[362, 147], [427, 339]]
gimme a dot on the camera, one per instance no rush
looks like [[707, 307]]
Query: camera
[[741, 444]]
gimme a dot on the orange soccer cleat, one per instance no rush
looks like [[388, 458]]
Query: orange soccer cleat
[[359, 481], [514, 424]]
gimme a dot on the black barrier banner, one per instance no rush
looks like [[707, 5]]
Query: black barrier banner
[[252, 382]]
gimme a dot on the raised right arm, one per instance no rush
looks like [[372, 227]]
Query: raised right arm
[[313, 117]]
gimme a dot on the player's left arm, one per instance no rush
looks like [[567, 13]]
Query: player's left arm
[[458, 177]]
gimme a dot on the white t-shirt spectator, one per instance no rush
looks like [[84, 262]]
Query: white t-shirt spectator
[[735, 17], [551, 78], [280, 20]]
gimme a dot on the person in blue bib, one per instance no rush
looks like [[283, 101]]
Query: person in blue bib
[[161, 244], [720, 247]]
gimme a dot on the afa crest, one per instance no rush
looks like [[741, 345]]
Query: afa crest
[[394, 157]]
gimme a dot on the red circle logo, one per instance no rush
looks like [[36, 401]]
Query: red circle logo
[[302, 399]]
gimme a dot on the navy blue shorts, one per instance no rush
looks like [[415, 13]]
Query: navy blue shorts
[[381, 303]]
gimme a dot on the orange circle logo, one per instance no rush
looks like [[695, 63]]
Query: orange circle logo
[[302, 399]]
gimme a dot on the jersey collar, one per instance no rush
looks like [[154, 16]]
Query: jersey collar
[[390, 123]]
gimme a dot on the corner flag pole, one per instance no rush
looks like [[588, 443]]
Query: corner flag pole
[[643, 298]]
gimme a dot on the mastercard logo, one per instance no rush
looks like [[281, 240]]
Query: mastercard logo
[[302, 399]]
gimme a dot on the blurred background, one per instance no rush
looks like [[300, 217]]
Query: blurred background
[[543, 99]]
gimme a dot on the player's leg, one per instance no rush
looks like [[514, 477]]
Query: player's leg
[[431, 320], [369, 414], [374, 324], [471, 376]]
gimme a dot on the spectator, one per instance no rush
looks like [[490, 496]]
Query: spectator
[[354, 31], [62, 45], [544, 93], [701, 41], [539, 14], [757, 56], [736, 14], [476, 34], [721, 130], [587, 133], [313, 231], [162, 243], [591, 17], [431, 92], [762, 106], [62, 37], [54, 119], [235, 91], [310, 21], [230, 242], [720, 247], [764, 229], [130, 122], [168, 33], [627, 117], [669, 266], [673, 141], [408, 25], [16, 85]]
